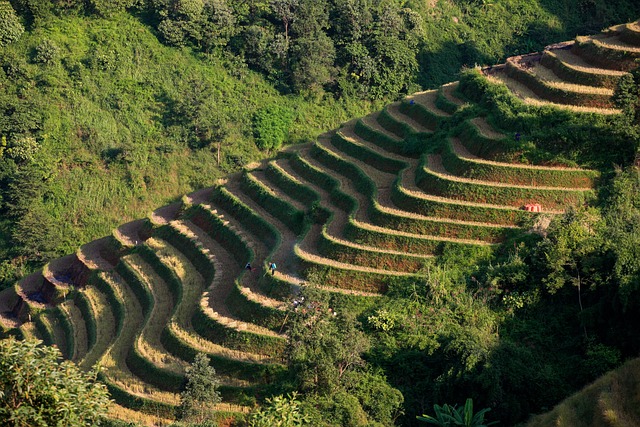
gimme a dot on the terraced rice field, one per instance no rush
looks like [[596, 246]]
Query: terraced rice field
[[366, 203]]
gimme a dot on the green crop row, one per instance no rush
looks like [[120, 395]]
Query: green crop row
[[573, 75], [173, 283], [254, 312], [257, 225], [67, 328], [369, 156], [275, 287], [293, 218], [294, 189], [367, 258], [394, 242], [390, 123], [360, 180], [439, 228], [515, 175], [482, 193], [421, 114], [378, 138], [326, 182], [193, 250], [347, 279], [215, 227], [139, 289], [249, 371], [115, 303], [555, 94], [44, 329], [481, 145], [83, 304], [247, 341], [419, 226], [603, 57], [137, 403], [150, 373], [445, 104]]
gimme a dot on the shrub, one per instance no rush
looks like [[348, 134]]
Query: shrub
[[10, 27], [46, 52], [271, 127]]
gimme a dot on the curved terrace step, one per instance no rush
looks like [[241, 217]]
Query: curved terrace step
[[573, 68], [459, 161], [193, 286], [248, 280], [385, 181], [529, 97], [105, 326], [427, 99], [213, 299], [394, 111], [436, 179]]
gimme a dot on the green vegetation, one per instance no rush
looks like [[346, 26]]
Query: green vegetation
[[110, 109], [40, 391]]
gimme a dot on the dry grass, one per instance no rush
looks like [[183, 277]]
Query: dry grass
[[372, 122], [394, 111], [148, 343], [575, 62], [105, 326], [528, 97], [612, 400], [448, 92], [428, 99], [549, 78], [128, 415], [79, 329], [192, 289], [613, 43]]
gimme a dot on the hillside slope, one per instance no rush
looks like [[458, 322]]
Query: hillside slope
[[366, 204], [609, 401]]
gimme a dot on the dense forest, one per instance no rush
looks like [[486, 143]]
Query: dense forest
[[113, 108]]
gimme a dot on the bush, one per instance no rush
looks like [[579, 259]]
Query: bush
[[10, 27], [46, 52], [271, 127]]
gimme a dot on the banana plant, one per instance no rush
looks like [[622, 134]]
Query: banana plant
[[450, 416]]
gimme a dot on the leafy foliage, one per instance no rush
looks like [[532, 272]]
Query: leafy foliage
[[10, 27], [281, 411], [201, 390], [271, 127], [447, 415], [40, 391]]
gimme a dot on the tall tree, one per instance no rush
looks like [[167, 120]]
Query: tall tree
[[201, 391]]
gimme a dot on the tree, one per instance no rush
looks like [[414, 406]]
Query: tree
[[324, 346], [10, 27], [36, 390], [449, 416], [271, 127], [201, 390], [281, 411], [312, 52]]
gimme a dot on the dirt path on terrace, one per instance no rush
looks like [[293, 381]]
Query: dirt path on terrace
[[384, 181], [435, 166], [226, 271], [428, 100], [394, 111]]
